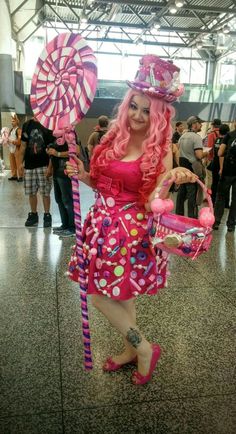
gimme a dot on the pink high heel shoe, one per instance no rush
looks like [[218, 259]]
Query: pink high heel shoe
[[110, 365], [139, 379]]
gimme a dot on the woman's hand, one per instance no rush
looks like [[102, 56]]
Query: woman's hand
[[75, 167], [181, 175]]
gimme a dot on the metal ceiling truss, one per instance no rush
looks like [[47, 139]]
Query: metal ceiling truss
[[119, 19]]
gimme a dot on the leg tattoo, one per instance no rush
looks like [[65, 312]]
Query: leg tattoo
[[134, 337]]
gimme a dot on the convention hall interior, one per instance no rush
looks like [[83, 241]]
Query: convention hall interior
[[45, 388]]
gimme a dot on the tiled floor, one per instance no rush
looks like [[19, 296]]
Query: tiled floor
[[45, 389]]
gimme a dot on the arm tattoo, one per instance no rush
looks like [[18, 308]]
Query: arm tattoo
[[134, 337]]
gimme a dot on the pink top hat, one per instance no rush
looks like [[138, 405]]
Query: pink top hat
[[157, 77]]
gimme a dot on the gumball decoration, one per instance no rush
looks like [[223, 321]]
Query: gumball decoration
[[203, 210], [63, 88], [158, 206], [206, 218], [169, 205]]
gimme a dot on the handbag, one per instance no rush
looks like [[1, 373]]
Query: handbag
[[180, 235]]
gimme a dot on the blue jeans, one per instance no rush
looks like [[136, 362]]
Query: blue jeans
[[225, 183], [63, 197]]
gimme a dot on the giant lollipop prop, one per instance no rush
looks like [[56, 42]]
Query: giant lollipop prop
[[63, 88]]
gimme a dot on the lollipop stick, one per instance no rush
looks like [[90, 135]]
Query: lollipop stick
[[70, 137]]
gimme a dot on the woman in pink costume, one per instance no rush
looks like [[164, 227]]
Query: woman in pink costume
[[134, 157]]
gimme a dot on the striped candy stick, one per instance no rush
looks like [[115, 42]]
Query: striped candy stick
[[70, 138]]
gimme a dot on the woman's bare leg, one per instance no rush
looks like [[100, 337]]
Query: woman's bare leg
[[123, 320], [129, 352]]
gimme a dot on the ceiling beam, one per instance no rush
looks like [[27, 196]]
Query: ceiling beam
[[163, 4], [154, 5], [30, 19], [138, 55], [197, 30], [58, 16], [72, 10], [18, 8], [36, 28]]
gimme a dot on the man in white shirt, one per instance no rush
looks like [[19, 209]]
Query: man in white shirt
[[191, 154]]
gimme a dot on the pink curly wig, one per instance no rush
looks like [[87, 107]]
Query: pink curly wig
[[114, 143]]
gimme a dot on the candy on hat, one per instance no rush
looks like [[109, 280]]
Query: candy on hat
[[157, 77]]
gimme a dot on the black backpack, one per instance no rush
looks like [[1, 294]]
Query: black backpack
[[230, 157], [84, 156], [100, 134]]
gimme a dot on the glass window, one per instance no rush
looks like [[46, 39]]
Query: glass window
[[227, 74]]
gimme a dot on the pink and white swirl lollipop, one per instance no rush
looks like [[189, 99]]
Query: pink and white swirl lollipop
[[63, 88], [64, 82]]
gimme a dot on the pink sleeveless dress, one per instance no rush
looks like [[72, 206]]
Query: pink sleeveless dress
[[120, 261]]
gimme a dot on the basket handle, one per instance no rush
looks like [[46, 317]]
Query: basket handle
[[167, 183]]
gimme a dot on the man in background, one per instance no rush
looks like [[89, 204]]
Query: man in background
[[191, 154], [96, 136], [35, 139], [179, 129]]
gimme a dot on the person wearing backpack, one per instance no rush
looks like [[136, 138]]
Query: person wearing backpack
[[35, 139], [227, 180], [95, 137], [209, 142], [14, 148]]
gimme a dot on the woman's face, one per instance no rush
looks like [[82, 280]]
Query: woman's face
[[13, 122], [138, 114]]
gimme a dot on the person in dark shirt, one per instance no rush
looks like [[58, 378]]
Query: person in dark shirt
[[223, 130], [34, 139], [227, 181], [62, 187], [179, 128]]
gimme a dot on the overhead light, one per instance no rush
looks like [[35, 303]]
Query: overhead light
[[226, 29], [172, 8], [83, 18], [199, 45], [156, 25], [179, 3]]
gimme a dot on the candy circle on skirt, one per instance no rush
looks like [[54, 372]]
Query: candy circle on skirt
[[141, 282], [107, 221], [142, 256], [119, 270], [112, 241], [140, 216], [110, 201], [128, 216], [100, 241], [133, 274], [133, 232], [123, 251], [102, 283], [116, 291], [64, 83], [159, 279]]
